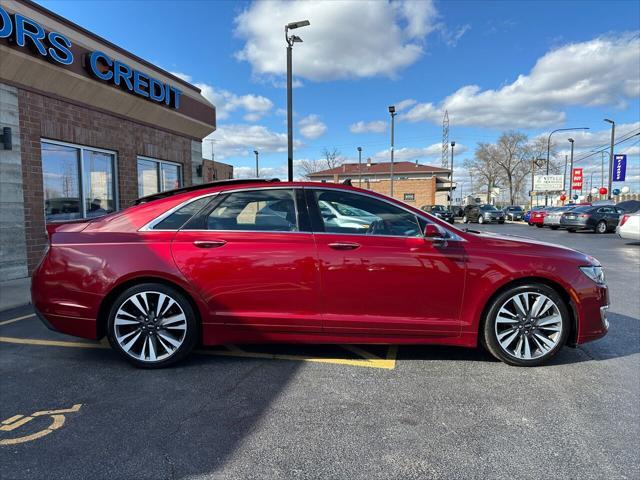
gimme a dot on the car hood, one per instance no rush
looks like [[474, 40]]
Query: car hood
[[504, 242]]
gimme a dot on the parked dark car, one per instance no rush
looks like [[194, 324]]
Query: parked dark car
[[482, 214], [514, 213], [457, 210], [600, 219], [439, 211]]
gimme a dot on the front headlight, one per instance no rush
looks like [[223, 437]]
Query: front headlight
[[594, 273]]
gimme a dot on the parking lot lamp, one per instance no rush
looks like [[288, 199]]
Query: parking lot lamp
[[453, 144], [613, 137], [257, 169], [359, 167], [571, 140], [290, 41], [549, 148], [392, 112]]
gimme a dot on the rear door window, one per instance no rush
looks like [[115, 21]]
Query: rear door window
[[178, 218], [269, 210]]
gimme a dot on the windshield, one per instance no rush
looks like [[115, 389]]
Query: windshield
[[438, 208], [582, 209], [486, 208], [514, 209]]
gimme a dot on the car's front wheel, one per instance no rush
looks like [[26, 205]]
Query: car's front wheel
[[152, 325], [526, 325], [601, 227], [480, 219], [465, 219]]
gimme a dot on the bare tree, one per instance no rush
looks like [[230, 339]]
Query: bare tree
[[330, 159], [512, 154], [483, 167]]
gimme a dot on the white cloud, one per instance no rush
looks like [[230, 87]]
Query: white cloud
[[255, 106], [311, 127], [432, 154], [404, 104], [587, 139], [240, 140], [602, 71], [346, 39], [377, 126]]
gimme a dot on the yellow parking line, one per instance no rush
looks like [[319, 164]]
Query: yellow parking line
[[7, 322], [371, 361], [50, 343]]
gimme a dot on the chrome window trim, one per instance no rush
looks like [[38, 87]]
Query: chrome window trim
[[148, 227]]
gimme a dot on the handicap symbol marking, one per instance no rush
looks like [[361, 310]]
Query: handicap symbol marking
[[18, 421]]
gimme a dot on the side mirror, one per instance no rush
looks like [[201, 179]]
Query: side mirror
[[434, 233]]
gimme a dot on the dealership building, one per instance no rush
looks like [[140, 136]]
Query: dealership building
[[87, 128]]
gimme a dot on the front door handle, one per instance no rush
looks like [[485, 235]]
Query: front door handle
[[344, 245], [209, 243]]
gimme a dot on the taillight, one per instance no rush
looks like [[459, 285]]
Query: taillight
[[583, 215], [624, 219]]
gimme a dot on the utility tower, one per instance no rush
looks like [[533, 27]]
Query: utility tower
[[445, 140]]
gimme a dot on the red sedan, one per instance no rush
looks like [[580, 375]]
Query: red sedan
[[262, 261], [537, 217]]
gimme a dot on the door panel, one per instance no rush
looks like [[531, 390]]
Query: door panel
[[258, 280], [391, 285], [384, 277], [251, 263]]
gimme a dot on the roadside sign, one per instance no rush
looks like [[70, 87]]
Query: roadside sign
[[576, 179], [548, 183], [619, 168]]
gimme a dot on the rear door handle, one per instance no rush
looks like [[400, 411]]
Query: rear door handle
[[344, 245], [209, 243]]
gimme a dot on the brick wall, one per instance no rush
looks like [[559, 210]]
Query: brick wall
[[424, 189], [45, 117]]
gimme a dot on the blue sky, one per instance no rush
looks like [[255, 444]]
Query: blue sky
[[534, 66]]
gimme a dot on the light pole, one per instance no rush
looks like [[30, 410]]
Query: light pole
[[359, 167], [564, 177], [602, 168], [257, 170], [549, 148], [290, 41], [453, 144], [571, 140], [392, 112], [613, 137]]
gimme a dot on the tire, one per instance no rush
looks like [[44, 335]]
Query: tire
[[601, 227], [480, 219], [465, 219], [525, 341], [571, 230], [539, 225], [501, 222], [554, 227], [145, 339]]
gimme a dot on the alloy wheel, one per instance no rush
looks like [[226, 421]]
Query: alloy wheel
[[528, 325], [601, 227], [150, 326]]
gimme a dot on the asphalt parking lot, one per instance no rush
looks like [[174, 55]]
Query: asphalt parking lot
[[329, 412]]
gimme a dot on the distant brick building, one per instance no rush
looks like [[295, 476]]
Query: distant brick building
[[414, 183]]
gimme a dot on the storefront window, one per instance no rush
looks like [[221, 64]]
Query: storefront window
[[157, 176], [78, 182]]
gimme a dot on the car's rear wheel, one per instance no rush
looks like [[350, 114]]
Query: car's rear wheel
[[465, 219], [152, 325], [526, 325], [554, 227], [571, 230], [539, 225], [601, 227]]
